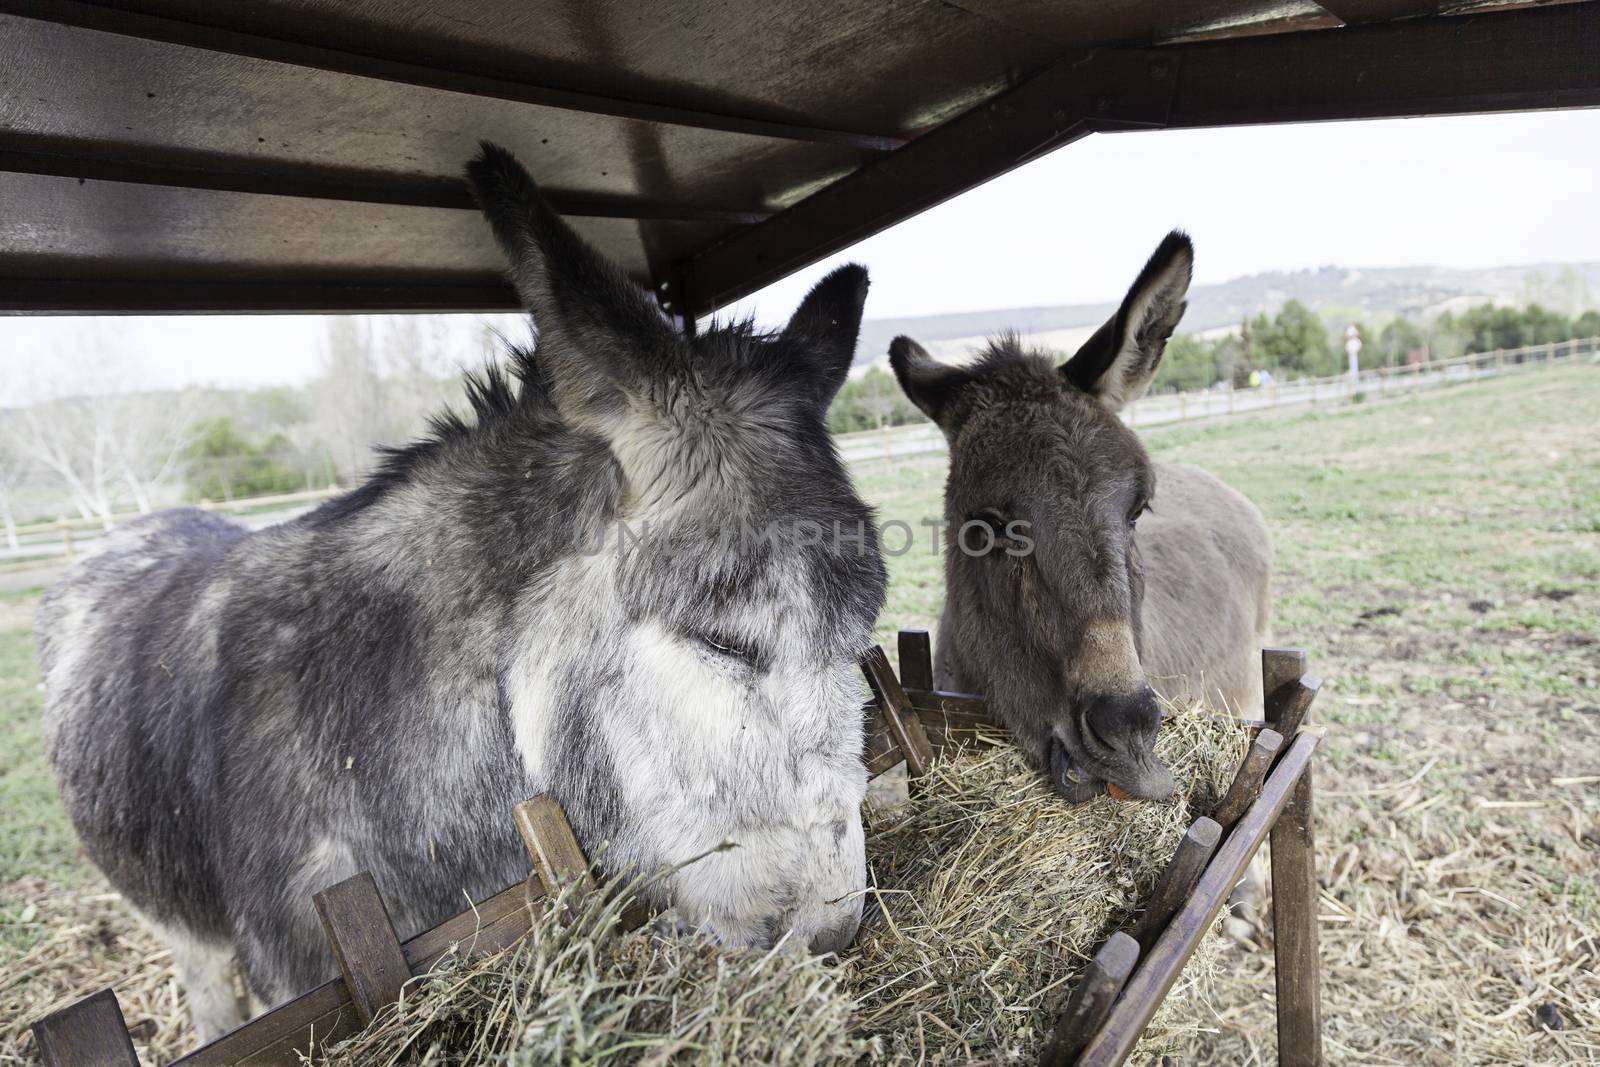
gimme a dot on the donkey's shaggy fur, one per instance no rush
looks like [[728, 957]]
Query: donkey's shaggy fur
[[1065, 619], [238, 720]]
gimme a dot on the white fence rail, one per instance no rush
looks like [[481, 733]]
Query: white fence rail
[[920, 438]]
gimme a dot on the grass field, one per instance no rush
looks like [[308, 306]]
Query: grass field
[[1438, 558]]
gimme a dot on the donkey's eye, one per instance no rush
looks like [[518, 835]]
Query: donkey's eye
[[1138, 509], [725, 646]]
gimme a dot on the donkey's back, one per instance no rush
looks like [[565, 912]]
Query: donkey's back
[[1207, 559], [117, 640]]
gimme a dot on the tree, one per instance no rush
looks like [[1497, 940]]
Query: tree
[[1294, 340], [13, 468], [871, 402], [226, 465], [1189, 363], [1400, 337]]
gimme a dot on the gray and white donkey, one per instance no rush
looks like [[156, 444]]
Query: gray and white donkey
[[239, 719]]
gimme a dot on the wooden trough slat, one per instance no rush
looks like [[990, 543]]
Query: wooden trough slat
[[1092, 1000], [916, 660], [1247, 783], [1150, 983], [370, 957], [1178, 880], [557, 856], [328, 1014], [905, 725], [89, 1033]]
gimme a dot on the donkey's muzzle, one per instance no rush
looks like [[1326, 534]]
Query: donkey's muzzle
[[1111, 742]]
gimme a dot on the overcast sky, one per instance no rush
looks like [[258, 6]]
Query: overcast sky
[[1073, 227]]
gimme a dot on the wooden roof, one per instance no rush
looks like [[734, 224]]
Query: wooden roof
[[304, 155]]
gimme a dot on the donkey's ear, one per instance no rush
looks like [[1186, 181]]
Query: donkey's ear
[[1116, 364], [597, 330], [826, 325], [931, 385]]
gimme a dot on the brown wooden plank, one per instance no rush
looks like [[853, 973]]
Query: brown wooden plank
[[1092, 999], [493, 924], [1456, 65], [370, 957], [88, 1033], [420, 70], [1294, 704], [275, 1037], [905, 726], [1159, 967], [1294, 929], [916, 660], [327, 1011], [1246, 785], [1183, 871], [557, 856]]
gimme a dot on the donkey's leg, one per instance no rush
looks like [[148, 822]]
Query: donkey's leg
[[205, 969]]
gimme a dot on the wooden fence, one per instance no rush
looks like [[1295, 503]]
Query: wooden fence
[[912, 722], [1162, 408]]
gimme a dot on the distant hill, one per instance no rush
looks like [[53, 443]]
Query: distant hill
[[1336, 292]]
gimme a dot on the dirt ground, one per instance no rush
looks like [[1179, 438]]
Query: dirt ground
[[1438, 557]]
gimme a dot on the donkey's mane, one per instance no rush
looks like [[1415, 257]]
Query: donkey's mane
[[498, 396], [502, 396]]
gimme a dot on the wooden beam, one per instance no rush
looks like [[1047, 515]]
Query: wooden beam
[[916, 660], [276, 295], [266, 177], [1161, 965], [1535, 58], [374, 62], [88, 1033], [557, 856]]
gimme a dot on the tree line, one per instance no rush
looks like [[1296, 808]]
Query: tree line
[[1298, 343], [94, 453]]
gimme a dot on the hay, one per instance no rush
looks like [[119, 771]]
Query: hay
[[83, 942], [989, 896]]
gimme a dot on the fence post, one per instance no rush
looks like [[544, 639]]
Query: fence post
[[66, 538], [89, 1033], [1313, 392], [1288, 696], [1183, 407]]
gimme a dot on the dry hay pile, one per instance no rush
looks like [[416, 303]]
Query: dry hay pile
[[989, 896], [85, 943]]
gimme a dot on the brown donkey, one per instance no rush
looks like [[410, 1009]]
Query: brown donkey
[[1055, 610]]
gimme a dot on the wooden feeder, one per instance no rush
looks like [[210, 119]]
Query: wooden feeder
[[913, 723]]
